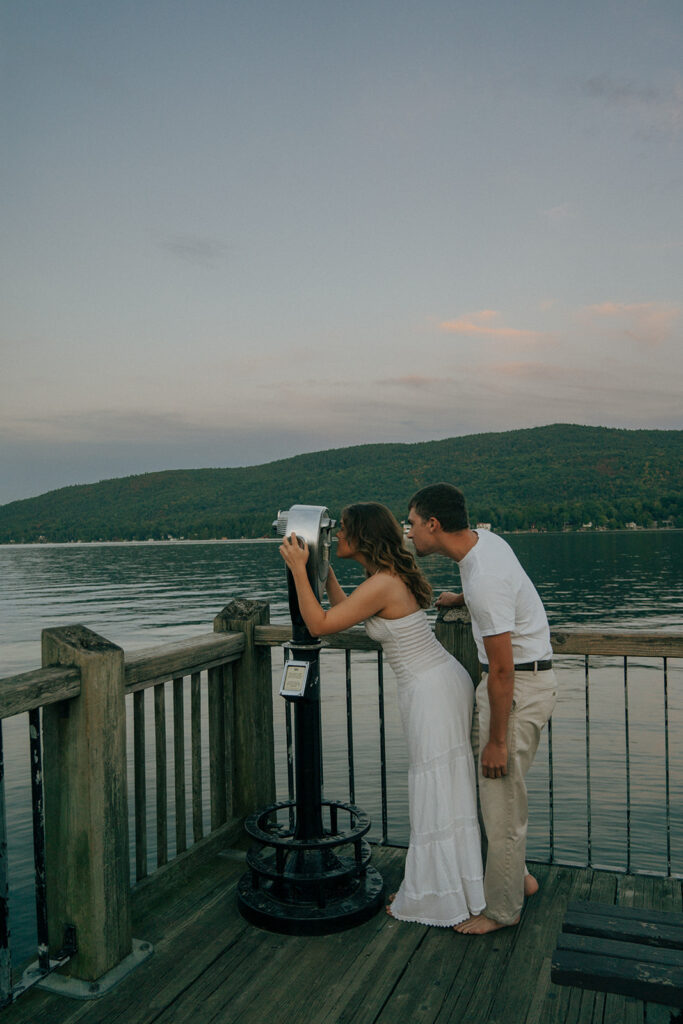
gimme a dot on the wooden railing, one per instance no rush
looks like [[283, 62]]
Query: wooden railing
[[81, 694], [81, 823]]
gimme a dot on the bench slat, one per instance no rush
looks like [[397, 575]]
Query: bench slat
[[668, 917], [575, 943], [624, 928], [649, 982]]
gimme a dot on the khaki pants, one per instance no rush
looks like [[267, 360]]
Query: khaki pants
[[504, 806]]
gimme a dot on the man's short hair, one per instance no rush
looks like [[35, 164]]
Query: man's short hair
[[443, 501]]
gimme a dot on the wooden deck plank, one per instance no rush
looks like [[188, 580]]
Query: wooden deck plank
[[554, 1004], [632, 891], [541, 920], [178, 922], [312, 976], [589, 1006], [665, 895], [211, 966]]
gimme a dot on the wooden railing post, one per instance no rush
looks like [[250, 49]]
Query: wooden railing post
[[86, 804], [253, 754], [453, 629]]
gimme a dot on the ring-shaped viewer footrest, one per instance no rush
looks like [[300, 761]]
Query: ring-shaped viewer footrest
[[309, 886], [277, 865], [268, 832]]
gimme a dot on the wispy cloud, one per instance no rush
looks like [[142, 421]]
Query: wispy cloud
[[559, 214], [196, 249], [486, 323], [660, 110], [414, 381], [647, 322]]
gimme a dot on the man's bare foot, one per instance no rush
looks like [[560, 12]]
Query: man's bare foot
[[530, 885], [480, 925]]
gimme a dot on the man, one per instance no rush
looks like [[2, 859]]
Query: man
[[517, 692]]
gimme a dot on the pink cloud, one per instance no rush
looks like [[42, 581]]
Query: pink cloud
[[649, 322], [484, 323]]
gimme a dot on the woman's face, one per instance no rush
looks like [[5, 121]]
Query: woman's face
[[345, 549]]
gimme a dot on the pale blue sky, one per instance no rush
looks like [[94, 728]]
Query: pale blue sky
[[236, 231]]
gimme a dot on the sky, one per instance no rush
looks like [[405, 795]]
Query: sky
[[237, 230]]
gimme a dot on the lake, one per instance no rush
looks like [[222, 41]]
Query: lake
[[139, 595]]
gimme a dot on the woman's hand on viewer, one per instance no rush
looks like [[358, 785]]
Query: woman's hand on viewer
[[449, 600], [295, 552]]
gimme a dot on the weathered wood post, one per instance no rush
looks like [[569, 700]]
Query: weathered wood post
[[453, 628], [253, 754], [86, 804]]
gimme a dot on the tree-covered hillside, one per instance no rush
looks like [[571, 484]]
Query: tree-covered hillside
[[555, 477]]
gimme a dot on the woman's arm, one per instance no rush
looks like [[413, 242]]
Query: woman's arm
[[332, 588], [366, 600]]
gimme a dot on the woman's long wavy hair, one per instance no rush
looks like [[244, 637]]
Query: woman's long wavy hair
[[375, 532]]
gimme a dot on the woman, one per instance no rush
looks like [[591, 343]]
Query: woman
[[443, 882]]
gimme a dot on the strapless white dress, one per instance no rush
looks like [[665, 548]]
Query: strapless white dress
[[443, 881]]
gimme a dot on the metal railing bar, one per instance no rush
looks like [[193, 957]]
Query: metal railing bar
[[349, 728], [667, 767], [589, 822], [551, 795], [38, 801], [628, 767], [5, 952], [382, 745]]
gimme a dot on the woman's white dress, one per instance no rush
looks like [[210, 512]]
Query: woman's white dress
[[443, 881]]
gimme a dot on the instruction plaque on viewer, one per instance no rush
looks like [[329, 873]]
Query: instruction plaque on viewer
[[294, 678]]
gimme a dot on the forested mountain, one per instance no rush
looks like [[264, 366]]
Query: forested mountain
[[554, 477]]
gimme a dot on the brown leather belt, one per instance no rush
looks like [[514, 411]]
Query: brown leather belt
[[528, 666]]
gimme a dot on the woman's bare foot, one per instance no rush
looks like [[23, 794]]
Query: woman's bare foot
[[530, 885], [480, 925], [392, 897]]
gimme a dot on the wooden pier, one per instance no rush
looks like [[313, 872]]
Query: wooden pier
[[210, 966]]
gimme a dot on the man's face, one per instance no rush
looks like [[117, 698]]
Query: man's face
[[421, 533]]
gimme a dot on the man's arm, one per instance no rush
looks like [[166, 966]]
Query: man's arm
[[501, 682], [450, 600]]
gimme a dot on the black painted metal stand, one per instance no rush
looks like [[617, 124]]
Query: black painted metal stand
[[312, 877]]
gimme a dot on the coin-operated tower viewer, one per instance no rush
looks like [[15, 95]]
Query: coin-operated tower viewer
[[308, 873]]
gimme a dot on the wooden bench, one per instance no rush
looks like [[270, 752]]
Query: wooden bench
[[626, 950]]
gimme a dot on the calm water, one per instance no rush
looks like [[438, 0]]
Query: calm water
[[138, 595]]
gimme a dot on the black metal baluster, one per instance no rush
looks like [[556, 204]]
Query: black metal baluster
[[5, 953], [628, 769], [39, 837], [666, 768], [382, 747], [589, 823], [349, 729], [551, 795]]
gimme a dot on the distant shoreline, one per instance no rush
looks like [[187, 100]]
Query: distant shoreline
[[277, 540]]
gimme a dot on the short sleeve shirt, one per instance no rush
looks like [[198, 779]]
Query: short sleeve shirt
[[502, 599]]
